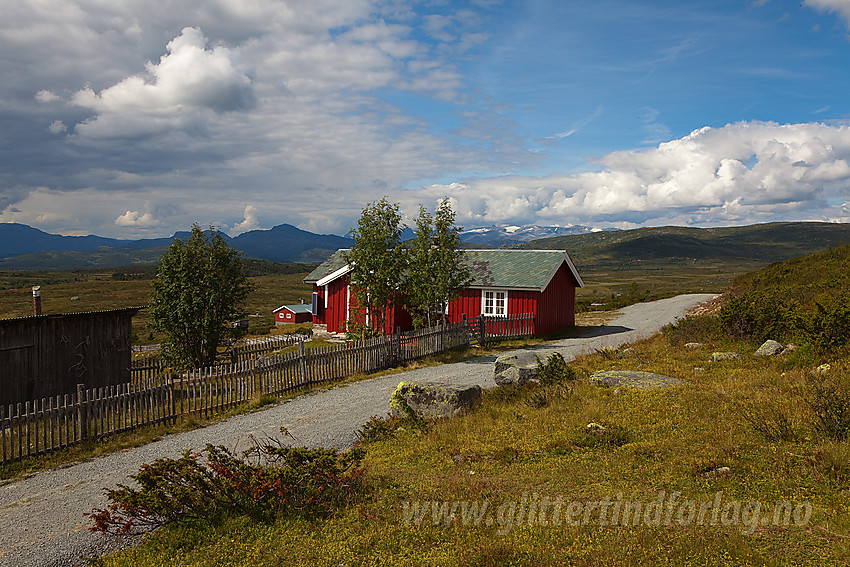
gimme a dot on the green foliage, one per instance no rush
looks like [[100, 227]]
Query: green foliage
[[828, 324], [555, 370], [377, 260], [380, 428], [199, 289], [269, 481], [694, 329], [437, 272], [806, 298], [759, 315]]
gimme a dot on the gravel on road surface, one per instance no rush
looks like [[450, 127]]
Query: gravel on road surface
[[42, 520]]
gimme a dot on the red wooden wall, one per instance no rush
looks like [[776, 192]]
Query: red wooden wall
[[336, 314], [554, 308]]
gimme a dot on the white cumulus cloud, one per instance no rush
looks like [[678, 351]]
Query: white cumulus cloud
[[136, 219], [188, 78], [744, 171], [250, 222]]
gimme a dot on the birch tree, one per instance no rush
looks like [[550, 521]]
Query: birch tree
[[378, 263]]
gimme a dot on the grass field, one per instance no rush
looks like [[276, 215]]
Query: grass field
[[95, 290], [686, 447]]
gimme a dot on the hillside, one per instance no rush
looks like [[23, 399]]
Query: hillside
[[759, 243], [802, 279]]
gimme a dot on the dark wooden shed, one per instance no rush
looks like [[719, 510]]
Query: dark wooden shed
[[48, 355]]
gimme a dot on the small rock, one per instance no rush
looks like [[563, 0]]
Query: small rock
[[788, 349], [719, 471], [699, 369], [694, 345], [823, 368], [75, 298], [594, 428], [769, 348], [720, 356]]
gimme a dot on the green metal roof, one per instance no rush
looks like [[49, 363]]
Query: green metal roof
[[326, 268], [297, 308], [529, 269], [524, 269]]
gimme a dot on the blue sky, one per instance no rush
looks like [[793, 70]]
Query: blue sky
[[135, 119]]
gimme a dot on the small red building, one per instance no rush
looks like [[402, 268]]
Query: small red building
[[541, 283], [299, 313]]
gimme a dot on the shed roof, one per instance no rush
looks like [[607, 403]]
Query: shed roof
[[297, 308], [121, 311], [514, 269]]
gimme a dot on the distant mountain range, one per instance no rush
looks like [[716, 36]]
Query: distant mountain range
[[504, 235], [24, 247]]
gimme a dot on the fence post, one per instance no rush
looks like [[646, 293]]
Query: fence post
[[481, 333], [302, 360], [170, 381], [82, 413]]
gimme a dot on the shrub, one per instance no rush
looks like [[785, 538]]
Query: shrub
[[833, 461], [379, 428], [828, 324], [758, 315], [768, 419], [268, 481], [555, 370], [608, 436], [829, 400], [693, 329]]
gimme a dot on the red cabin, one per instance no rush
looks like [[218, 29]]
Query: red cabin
[[541, 283], [299, 313]]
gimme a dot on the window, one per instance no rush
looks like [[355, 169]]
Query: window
[[314, 306], [494, 303]]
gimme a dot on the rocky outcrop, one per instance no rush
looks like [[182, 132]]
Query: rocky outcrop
[[723, 356], [769, 348], [433, 400], [633, 379], [516, 369]]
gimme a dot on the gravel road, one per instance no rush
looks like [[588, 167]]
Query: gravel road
[[42, 519]]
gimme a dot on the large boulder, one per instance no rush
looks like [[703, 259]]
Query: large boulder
[[769, 348], [635, 379], [433, 400], [515, 369]]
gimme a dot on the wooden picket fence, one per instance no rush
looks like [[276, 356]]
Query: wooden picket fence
[[157, 396], [482, 329]]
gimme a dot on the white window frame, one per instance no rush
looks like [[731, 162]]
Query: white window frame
[[497, 296]]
